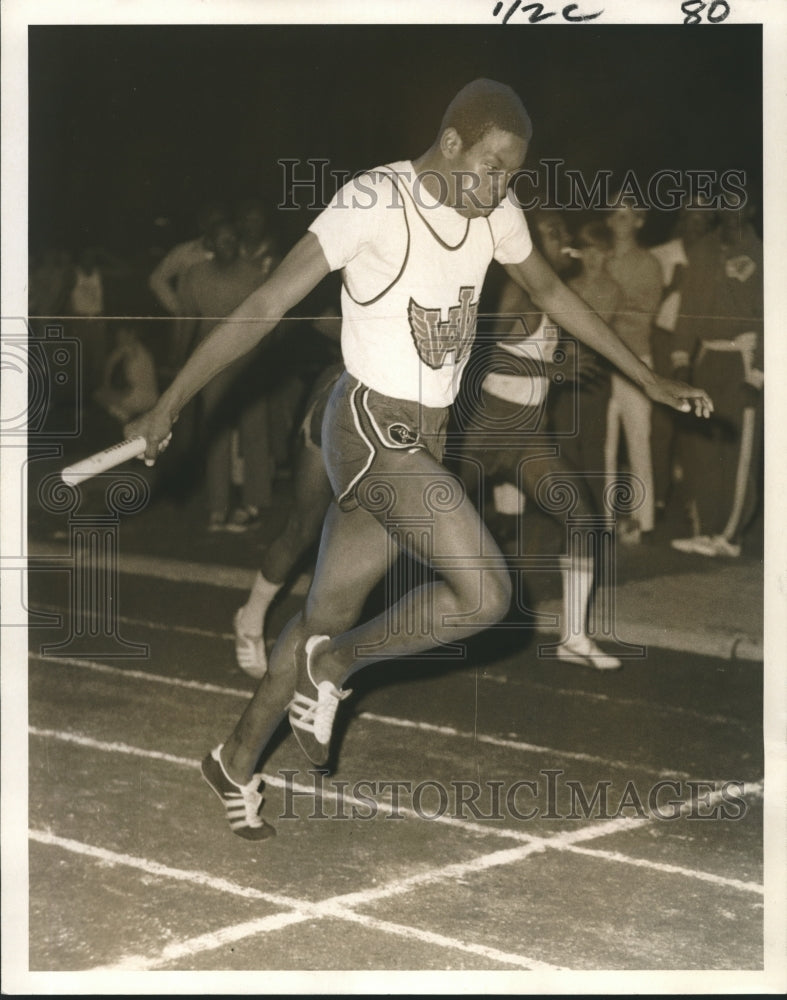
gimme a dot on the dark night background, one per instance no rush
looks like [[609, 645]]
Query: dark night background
[[128, 124]]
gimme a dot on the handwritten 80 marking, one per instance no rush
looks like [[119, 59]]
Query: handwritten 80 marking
[[539, 13], [718, 11]]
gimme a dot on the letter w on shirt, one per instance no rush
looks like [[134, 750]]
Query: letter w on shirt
[[436, 338]]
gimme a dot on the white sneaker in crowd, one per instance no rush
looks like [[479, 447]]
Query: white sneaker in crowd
[[707, 545]]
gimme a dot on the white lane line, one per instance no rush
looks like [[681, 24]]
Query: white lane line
[[651, 706], [297, 910], [430, 937], [617, 701], [660, 866], [88, 741], [726, 646], [454, 872], [198, 878], [458, 870], [388, 720], [187, 948], [749, 790], [295, 788], [565, 840], [176, 570], [510, 744], [204, 633], [179, 950], [141, 675]]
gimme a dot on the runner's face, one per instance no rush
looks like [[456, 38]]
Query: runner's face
[[481, 173]]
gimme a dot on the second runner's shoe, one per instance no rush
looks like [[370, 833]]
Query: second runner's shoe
[[313, 706]]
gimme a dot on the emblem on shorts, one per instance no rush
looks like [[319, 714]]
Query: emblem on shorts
[[401, 434]]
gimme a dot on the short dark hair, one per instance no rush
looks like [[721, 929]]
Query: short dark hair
[[482, 106]]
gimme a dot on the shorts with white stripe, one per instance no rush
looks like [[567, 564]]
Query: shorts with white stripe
[[364, 431]]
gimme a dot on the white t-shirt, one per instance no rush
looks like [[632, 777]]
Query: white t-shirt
[[412, 275]]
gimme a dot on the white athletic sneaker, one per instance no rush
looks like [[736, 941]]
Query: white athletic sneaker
[[313, 707], [694, 544], [585, 652], [249, 650], [719, 546], [707, 545]]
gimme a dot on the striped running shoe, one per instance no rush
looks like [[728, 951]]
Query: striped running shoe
[[241, 802], [313, 706]]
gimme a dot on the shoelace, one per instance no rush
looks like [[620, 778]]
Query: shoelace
[[318, 714], [252, 800], [248, 798], [325, 709]]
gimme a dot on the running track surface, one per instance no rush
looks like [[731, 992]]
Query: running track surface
[[133, 869]]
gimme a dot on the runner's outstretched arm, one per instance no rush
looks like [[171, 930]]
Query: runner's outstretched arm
[[568, 310], [300, 271]]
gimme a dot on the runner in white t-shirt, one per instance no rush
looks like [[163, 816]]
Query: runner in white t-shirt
[[413, 261]]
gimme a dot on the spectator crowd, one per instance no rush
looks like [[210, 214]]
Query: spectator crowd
[[690, 307]]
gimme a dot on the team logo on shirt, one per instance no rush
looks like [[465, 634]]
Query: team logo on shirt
[[435, 338]]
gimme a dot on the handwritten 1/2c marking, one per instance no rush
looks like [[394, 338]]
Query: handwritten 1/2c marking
[[537, 12]]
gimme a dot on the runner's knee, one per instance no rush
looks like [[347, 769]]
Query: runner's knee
[[488, 598], [496, 595]]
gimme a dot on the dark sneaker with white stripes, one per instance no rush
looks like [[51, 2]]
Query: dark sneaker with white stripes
[[242, 803]]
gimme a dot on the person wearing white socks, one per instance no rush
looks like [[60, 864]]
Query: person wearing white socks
[[312, 495]]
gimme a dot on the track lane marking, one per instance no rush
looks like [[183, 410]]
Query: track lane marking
[[141, 675], [667, 869], [187, 947], [199, 878], [510, 744], [530, 843], [432, 937], [716, 718], [597, 696], [503, 742], [274, 781], [298, 911], [732, 646], [160, 568], [204, 633]]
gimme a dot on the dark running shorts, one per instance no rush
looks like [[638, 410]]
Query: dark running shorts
[[311, 425], [363, 432]]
